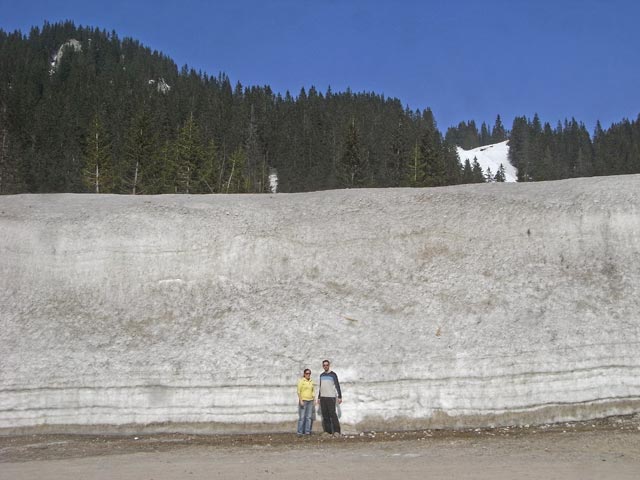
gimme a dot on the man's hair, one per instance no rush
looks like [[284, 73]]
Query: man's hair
[[326, 361]]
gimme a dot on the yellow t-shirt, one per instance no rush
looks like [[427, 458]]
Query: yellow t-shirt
[[305, 389]]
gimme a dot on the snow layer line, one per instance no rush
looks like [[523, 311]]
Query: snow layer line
[[445, 307]]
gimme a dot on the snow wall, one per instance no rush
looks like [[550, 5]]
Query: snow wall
[[451, 307]]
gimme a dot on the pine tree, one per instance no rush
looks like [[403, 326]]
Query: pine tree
[[415, 168], [399, 154], [465, 135], [188, 157], [519, 148], [536, 148], [431, 153], [140, 171], [467, 172], [476, 172], [498, 134], [485, 135], [236, 180], [254, 156], [209, 175], [488, 176], [453, 169], [352, 165], [500, 174], [10, 179], [97, 173], [544, 166]]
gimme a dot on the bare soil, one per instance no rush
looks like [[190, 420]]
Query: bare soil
[[603, 449]]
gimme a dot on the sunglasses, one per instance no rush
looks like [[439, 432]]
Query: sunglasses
[[307, 373]]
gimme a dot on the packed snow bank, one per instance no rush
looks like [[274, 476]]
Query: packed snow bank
[[459, 306]]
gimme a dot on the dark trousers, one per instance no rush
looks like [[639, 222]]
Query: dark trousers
[[330, 422]]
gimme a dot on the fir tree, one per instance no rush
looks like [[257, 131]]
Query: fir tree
[[488, 176], [209, 175], [453, 169], [467, 172], [351, 170], [476, 172], [399, 154], [519, 148], [431, 153], [10, 180], [500, 174], [188, 157], [415, 168], [465, 135], [254, 157], [498, 134], [97, 173], [485, 135], [236, 179], [140, 171]]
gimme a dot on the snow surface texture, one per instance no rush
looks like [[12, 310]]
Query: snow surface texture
[[491, 156], [472, 305]]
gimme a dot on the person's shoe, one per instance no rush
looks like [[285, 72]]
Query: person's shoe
[[337, 434]]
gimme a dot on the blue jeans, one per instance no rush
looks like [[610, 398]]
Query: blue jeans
[[305, 414]]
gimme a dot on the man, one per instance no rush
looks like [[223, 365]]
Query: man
[[329, 391]]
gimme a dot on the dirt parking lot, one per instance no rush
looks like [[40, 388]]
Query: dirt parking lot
[[606, 449]]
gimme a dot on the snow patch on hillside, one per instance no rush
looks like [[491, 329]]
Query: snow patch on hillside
[[162, 86], [491, 156], [57, 58]]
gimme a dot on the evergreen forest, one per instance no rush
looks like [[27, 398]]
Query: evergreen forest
[[82, 110]]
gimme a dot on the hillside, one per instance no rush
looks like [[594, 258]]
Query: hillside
[[85, 111], [491, 158]]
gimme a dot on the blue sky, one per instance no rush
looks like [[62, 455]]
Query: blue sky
[[466, 60]]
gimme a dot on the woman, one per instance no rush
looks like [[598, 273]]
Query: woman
[[305, 403]]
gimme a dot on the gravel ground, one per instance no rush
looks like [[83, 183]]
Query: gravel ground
[[604, 449]]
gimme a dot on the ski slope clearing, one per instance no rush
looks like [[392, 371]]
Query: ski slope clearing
[[491, 156]]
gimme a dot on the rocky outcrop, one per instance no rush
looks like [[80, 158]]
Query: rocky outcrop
[[445, 307]]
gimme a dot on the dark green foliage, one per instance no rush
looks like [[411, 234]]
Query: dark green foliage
[[453, 169], [542, 153], [477, 175], [188, 157], [498, 134], [110, 115], [98, 171], [415, 168], [141, 165], [467, 172], [352, 166], [168, 130], [432, 153], [519, 153], [465, 135], [485, 135]]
